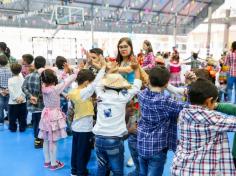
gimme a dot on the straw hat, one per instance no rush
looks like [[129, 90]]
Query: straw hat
[[211, 61], [115, 81], [160, 60]]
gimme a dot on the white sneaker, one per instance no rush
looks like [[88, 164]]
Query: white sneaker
[[130, 162]]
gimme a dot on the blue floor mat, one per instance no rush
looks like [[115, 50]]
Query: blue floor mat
[[19, 158]]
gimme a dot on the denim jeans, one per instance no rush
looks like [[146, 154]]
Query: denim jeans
[[110, 154], [152, 166], [132, 142], [230, 83], [3, 106]]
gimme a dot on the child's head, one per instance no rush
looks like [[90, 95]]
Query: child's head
[[16, 68], [203, 92], [39, 62], [159, 76], [49, 77], [3, 60], [60, 61], [85, 76], [204, 74], [27, 59]]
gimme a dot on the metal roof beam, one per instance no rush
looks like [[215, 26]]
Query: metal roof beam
[[132, 9]]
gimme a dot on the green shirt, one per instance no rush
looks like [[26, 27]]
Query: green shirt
[[229, 109]]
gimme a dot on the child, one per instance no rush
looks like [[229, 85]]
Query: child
[[32, 89], [83, 119], [110, 127], [157, 131], [175, 70], [5, 74], [203, 147], [53, 121], [27, 68], [221, 81], [17, 102]]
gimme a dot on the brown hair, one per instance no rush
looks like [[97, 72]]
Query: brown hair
[[119, 58], [16, 68], [149, 45]]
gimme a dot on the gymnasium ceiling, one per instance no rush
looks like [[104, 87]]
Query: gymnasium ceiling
[[137, 16]]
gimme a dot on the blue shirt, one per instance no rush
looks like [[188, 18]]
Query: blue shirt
[[157, 129]]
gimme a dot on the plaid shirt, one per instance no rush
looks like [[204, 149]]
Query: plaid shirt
[[203, 148], [32, 87], [230, 61], [5, 74], [157, 129]]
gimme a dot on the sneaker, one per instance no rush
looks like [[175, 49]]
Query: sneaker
[[46, 165], [58, 166], [38, 143], [130, 162]]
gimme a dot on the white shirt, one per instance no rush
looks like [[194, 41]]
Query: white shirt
[[15, 89], [111, 109], [85, 124]]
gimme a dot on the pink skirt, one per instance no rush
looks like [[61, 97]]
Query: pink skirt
[[52, 124], [175, 79]]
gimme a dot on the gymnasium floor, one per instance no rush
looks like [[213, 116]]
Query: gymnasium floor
[[19, 158]]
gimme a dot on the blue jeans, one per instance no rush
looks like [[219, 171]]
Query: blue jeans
[[110, 154], [152, 166], [3, 106], [230, 83], [132, 142]]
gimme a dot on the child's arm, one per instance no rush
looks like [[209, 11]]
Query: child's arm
[[221, 123], [61, 86], [137, 82], [176, 90], [88, 91], [226, 108], [25, 88]]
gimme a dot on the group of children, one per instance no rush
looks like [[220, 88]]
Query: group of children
[[131, 102]]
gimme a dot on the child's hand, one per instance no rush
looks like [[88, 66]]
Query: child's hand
[[66, 67], [133, 129], [190, 77], [103, 61], [33, 100], [20, 100]]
